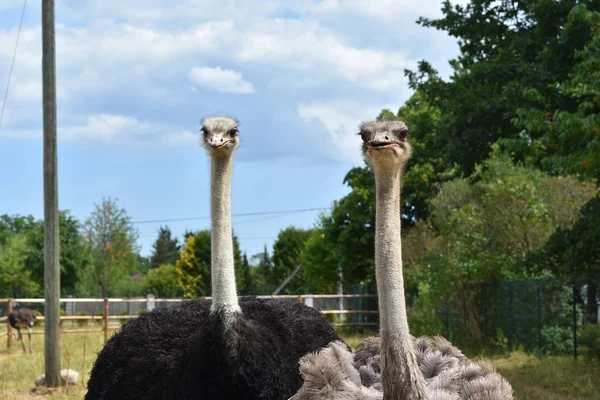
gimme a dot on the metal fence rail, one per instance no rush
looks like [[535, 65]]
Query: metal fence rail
[[107, 314]]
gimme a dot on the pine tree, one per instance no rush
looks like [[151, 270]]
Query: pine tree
[[165, 250], [247, 273]]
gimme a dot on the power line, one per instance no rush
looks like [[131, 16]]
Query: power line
[[301, 210], [12, 64]]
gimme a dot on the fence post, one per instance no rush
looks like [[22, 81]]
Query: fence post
[[509, 316], [106, 310], [150, 302], [9, 331], [485, 313], [539, 318], [446, 319], [310, 300], [574, 319], [300, 299]]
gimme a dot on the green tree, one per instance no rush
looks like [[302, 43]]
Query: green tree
[[286, 257], [563, 138], [246, 271], [15, 224], [112, 238], [573, 253], [349, 230], [319, 263], [165, 249], [193, 266], [15, 277], [481, 229], [508, 50], [75, 253], [162, 282], [263, 267]]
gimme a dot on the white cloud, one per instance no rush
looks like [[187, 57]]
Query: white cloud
[[115, 129], [139, 59], [111, 129], [340, 120], [389, 10], [221, 80], [306, 45]]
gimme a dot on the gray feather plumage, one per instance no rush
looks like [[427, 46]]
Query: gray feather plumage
[[335, 373]]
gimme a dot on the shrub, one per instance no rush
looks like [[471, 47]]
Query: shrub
[[589, 340]]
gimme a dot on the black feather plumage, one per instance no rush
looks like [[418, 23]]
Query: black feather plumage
[[185, 352]]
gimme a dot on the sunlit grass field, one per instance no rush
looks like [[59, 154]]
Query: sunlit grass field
[[556, 378]]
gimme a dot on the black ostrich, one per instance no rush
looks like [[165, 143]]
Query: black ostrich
[[22, 318], [221, 350]]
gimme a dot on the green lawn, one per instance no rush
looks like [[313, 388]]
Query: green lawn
[[554, 378]]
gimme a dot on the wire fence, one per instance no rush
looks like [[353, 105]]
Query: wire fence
[[542, 316]]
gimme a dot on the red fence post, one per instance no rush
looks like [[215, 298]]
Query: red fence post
[[106, 310]]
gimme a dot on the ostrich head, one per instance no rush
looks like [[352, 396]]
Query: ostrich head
[[385, 144], [220, 135]]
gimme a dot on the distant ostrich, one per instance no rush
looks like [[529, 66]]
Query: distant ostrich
[[395, 365], [22, 318], [229, 349]]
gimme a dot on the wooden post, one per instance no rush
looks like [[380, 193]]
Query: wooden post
[[9, 331], [51, 239], [106, 310], [300, 299]]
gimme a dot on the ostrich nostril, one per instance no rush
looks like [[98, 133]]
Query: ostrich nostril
[[221, 140], [386, 138]]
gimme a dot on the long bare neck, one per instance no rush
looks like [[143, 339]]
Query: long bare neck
[[224, 295], [401, 377]]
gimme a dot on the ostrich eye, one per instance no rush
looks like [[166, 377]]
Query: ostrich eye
[[402, 134], [204, 132], [363, 136], [233, 132]]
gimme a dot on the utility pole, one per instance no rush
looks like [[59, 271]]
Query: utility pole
[[51, 243]]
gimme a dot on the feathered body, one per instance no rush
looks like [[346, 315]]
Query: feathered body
[[187, 352], [395, 366], [335, 373], [22, 318], [224, 349]]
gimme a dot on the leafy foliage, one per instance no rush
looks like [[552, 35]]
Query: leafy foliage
[[481, 229], [15, 278], [112, 238], [165, 250], [247, 283], [513, 55], [162, 282], [193, 266], [286, 257], [563, 137], [75, 255]]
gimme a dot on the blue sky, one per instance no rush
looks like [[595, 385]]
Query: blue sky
[[136, 77]]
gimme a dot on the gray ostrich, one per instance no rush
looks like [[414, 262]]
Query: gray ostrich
[[22, 318], [227, 349], [395, 365]]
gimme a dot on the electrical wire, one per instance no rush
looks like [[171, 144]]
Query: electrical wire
[[12, 64], [301, 210]]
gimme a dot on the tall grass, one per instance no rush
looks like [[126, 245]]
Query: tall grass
[[19, 370]]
